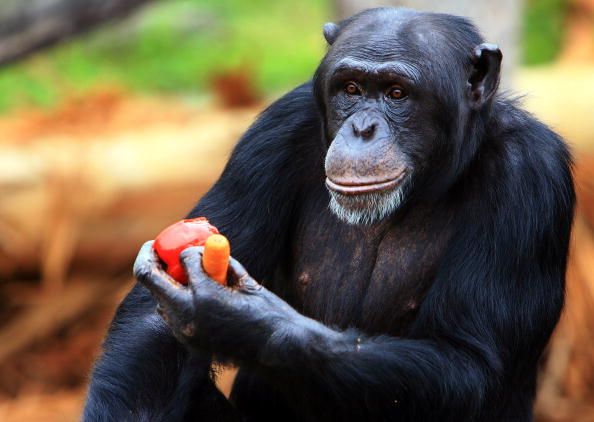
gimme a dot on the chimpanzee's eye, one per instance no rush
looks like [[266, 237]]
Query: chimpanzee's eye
[[396, 92], [351, 88]]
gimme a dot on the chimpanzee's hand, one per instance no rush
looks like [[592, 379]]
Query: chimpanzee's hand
[[234, 323]]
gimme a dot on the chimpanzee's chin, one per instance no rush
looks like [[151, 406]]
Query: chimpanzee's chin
[[365, 209]]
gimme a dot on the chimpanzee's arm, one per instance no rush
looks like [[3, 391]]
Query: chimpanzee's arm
[[479, 328], [483, 325], [144, 373]]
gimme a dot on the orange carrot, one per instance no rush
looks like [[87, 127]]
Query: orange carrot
[[215, 259]]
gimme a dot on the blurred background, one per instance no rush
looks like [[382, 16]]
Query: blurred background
[[117, 115]]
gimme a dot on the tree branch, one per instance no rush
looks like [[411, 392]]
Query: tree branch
[[26, 27]]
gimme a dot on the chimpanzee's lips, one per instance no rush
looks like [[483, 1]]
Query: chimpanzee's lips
[[349, 187]]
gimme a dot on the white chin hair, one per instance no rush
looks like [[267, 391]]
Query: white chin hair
[[365, 208]]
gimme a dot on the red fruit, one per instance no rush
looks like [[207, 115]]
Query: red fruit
[[177, 237]]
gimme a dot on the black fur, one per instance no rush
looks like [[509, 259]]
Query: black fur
[[501, 189]]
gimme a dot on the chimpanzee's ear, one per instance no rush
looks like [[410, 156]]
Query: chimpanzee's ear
[[484, 79], [331, 31]]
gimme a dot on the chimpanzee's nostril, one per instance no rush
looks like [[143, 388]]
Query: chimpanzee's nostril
[[368, 131], [365, 133]]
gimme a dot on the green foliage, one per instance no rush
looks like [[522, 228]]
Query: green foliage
[[543, 30], [174, 47]]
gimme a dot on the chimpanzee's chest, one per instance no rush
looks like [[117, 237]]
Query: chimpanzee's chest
[[370, 277]]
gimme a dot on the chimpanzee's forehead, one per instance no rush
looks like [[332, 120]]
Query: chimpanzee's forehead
[[389, 36], [380, 51], [398, 68], [422, 43]]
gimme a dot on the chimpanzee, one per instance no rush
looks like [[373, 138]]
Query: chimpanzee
[[410, 226]]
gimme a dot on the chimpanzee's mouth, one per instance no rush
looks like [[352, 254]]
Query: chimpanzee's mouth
[[346, 187]]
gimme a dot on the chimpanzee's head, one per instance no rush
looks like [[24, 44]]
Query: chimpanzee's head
[[404, 96]]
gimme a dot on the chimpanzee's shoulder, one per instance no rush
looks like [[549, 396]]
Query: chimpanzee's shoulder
[[294, 109], [530, 145]]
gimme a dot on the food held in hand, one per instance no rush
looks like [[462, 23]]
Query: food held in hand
[[215, 259], [177, 237]]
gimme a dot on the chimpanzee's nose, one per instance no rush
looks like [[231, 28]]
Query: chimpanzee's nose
[[364, 129]]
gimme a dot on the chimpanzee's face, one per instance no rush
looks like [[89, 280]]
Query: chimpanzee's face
[[367, 167], [393, 100]]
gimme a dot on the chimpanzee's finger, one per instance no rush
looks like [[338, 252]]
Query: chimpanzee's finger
[[240, 276], [145, 259], [148, 271], [236, 269], [165, 289], [191, 259], [199, 280], [237, 272]]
